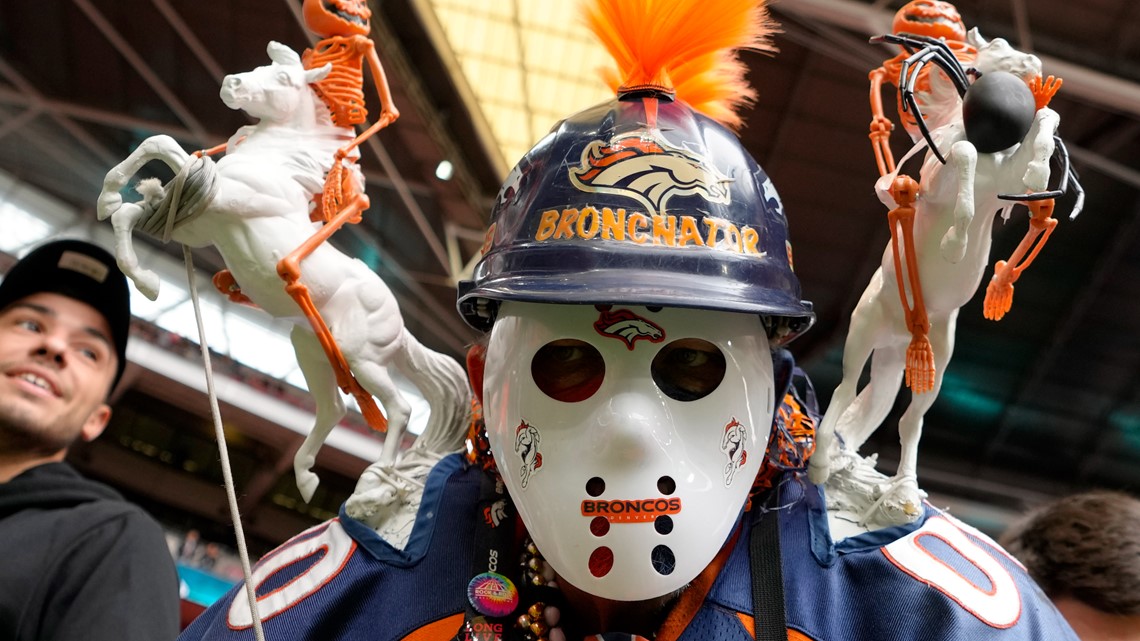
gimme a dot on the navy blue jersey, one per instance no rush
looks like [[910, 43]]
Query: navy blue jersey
[[934, 580]]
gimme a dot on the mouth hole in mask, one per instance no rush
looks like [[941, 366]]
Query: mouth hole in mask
[[688, 369], [568, 370], [599, 526], [601, 561], [663, 560]]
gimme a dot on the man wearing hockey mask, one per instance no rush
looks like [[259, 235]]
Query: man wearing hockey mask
[[636, 281]]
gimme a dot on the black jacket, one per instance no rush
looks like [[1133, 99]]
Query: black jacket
[[79, 562]]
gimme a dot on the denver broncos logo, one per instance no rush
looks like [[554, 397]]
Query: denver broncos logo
[[627, 326], [647, 171]]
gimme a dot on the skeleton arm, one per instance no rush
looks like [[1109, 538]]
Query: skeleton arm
[[881, 126]]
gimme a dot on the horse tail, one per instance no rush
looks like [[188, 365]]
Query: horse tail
[[443, 382]]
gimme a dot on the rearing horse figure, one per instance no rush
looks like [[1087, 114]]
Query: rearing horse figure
[[953, 216], [254, 207]]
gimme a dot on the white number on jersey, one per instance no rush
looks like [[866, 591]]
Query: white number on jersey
[[329, 538], [998, 605]]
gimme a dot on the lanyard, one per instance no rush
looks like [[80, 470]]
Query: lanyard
[[492, 597]]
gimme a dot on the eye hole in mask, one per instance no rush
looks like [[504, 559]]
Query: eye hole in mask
[[688, 369], [568, 370]]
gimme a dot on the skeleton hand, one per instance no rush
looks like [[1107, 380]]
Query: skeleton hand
[[1044, 90]]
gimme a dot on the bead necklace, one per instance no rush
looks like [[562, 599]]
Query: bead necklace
[[540, 621]]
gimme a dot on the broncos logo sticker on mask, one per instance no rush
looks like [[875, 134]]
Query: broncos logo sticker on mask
[[627, 326], [649, 171]]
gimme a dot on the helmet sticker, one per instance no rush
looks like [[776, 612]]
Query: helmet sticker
[[648, 170], [732, 444], [771, 197], [624, 325], [526, 446]]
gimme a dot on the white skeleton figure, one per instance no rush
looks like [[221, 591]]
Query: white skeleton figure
[[954, 214], [260, 214]]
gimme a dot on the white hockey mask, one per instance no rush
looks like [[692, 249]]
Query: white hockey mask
[[628, 437]]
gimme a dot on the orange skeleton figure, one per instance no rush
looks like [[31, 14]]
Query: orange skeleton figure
[[999, 293], [936, 20], [344, 26]]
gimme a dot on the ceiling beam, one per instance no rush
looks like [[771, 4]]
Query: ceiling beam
[[36, 99], [174, 19], [141, 67]]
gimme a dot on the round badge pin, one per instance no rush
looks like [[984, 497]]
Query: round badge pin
[[492, 594]]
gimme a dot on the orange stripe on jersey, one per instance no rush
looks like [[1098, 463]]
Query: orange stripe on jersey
[[750, 625], [693, 598], [444, 629]]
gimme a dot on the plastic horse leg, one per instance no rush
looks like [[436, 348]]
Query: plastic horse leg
[[919, 354], [289, 268], [999, 293]]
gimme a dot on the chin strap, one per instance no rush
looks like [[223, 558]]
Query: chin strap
[[768, 614]]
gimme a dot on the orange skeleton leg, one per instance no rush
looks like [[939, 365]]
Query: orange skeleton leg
[[999, 293], [919, 354], [289, 268]]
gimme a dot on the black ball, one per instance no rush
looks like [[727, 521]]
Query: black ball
[[997, 111]]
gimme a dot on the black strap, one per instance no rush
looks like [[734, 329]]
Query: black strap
[[769, 617], [494, 534]]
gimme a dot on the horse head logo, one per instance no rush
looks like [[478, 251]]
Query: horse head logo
[[648, 171], [626, 326]]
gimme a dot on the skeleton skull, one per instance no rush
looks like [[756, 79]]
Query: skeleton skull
[[328, 18], [930, 18]]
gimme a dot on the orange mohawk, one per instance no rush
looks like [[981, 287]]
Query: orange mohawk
[[684, 46]]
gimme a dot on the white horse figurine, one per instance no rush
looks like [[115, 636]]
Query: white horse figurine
[[954, 215], [259, 215]]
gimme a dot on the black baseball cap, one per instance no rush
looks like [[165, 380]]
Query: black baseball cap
[[80, 270]]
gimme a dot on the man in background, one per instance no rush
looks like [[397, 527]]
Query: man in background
[[1084, 551], [79, 562]]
